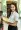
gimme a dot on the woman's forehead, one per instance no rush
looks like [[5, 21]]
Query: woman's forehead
[[12, 5]]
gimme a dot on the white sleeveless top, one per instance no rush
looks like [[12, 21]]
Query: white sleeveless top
[[14, 17]]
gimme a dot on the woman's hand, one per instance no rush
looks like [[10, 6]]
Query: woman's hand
[[14, 24]]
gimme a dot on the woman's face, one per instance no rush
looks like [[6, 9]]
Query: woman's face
[[13, 7]]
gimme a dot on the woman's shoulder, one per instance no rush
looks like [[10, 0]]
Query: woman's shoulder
[[17, 14]]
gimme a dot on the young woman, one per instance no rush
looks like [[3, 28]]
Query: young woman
[[13, 17]]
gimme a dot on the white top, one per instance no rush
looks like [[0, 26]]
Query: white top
[[13, 17]]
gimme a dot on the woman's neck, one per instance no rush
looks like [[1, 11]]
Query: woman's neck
[[13, 11]]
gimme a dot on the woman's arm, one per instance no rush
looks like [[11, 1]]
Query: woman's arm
[[5, 19], [14, 24]]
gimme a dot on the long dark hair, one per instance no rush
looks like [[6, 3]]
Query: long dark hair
[[13, 3]]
